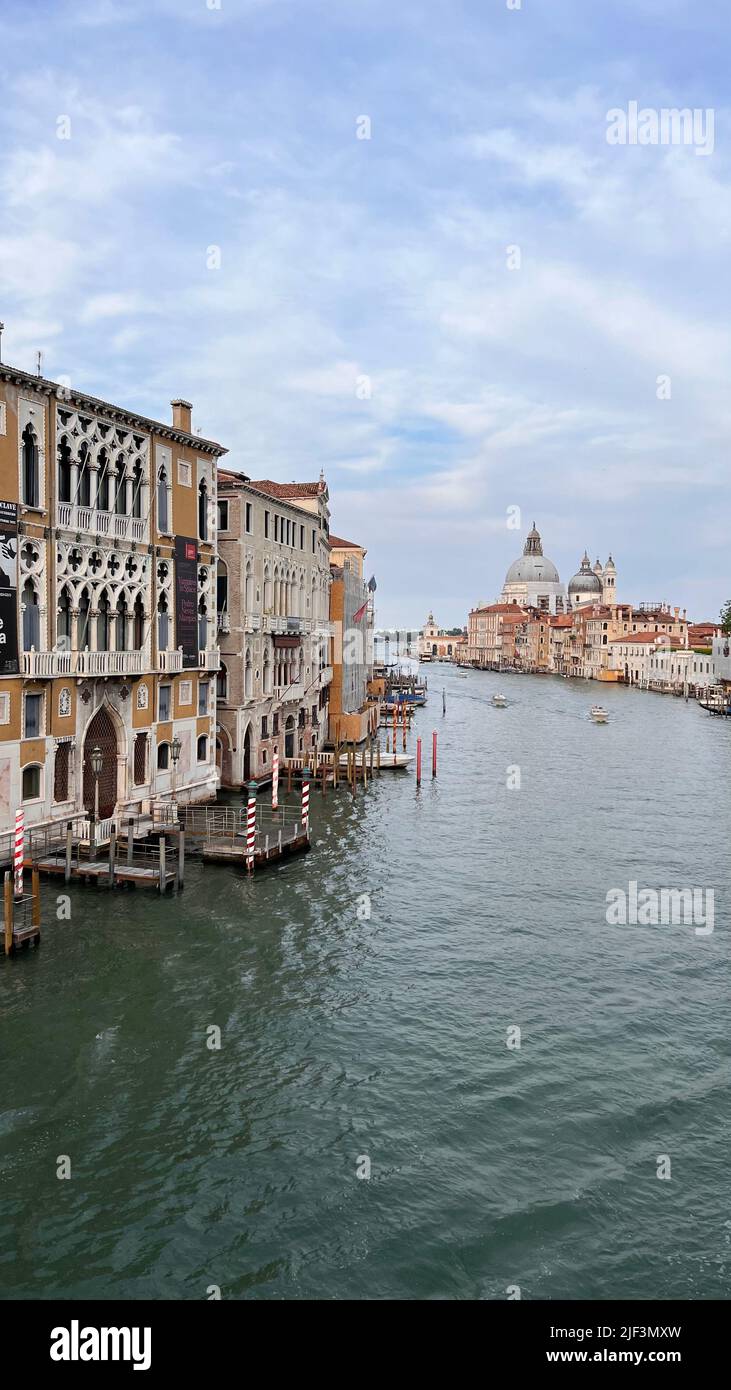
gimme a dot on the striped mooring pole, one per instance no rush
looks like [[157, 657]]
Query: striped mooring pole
[[275, 779], [306, 800], [251, 826], [418, 762], [19, 852], [434, 754]]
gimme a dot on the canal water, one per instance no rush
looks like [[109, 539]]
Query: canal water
[[351, 1041]]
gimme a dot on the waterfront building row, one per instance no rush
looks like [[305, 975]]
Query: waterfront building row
[[172, 617]]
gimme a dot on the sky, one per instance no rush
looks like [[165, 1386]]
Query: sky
[[391, 241]]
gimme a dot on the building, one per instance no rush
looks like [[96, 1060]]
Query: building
[[437, 645], [273, 600], [107, 605], [593, 585], [354, 708], [532, 581], [491, 635]]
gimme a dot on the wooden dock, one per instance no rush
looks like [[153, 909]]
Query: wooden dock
[[219, 834], [98, 871]]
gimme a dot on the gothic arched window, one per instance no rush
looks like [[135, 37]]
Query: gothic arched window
[[203, 511], [31, 617], [163, 515], [31, 481]]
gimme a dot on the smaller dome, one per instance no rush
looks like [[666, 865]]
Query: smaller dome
[[585, 581]]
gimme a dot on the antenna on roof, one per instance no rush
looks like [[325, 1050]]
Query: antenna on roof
[[2, 325], [38, 362]]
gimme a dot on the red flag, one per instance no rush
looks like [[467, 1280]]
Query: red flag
[[357, 616]]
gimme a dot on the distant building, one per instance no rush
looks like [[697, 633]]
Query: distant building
[[437, 645], [533, 580], [354, 713]]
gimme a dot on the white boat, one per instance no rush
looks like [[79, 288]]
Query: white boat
[[598, 714], [499, 701]]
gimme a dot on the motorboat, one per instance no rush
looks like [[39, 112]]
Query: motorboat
[[598, 714], [499, 701]]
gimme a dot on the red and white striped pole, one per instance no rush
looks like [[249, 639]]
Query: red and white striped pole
[[251, 827], [19, 852], [434, 754], [306, 800], [275, 779]]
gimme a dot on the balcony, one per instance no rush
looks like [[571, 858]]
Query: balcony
[[122, 528], [209, 661], [290, 694], [86, 663], [170, 661], [326, 675]]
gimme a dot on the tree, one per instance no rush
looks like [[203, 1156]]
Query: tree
[[725, 617]]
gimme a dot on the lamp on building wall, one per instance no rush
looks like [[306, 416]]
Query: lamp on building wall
[[97, 763], [175, 748]]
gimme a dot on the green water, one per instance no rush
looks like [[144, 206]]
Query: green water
[[344, 1038]]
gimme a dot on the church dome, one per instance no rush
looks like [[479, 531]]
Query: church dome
[[586, 581], [533, 567]]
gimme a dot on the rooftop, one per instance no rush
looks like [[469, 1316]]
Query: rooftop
[[68, 395]]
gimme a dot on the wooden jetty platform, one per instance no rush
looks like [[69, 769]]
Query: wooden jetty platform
[[219, 834]]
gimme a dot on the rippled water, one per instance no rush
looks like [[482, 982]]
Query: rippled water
[[387, 1038]]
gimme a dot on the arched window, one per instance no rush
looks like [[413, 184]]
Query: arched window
[[63, 621], [163, 756], [64, 472], [138, 625], [267, 673], [202, 625], [249, 588], [31, 482], [222, 682], [31, 617], [122, 623], [163, 624], [248, 677], [32, 782], [137, 490], [202, 749], [102, 482], [222, 587], [203, 510], [102, 623], [267, 590], [83, 487], [120, 500], [84, 606], [163, 512]]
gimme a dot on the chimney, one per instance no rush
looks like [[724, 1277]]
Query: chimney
[[676, 611], [181, 416]]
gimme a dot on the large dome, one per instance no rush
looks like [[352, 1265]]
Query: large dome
[[532, 567]]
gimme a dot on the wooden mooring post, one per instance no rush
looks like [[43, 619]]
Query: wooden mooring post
[[69, 851], [181, 859], [8, 905], [112, 853], [130, 840], [35, 879], [161, 879]]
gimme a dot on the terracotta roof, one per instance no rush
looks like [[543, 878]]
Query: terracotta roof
[[226, 476], [337, 543], [512, 608], [657, 638], [285, 490]]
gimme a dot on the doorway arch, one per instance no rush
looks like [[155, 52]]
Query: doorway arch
[[289, 737], [102, 733]]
